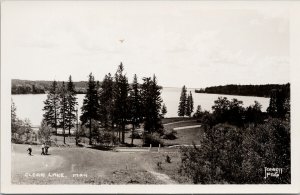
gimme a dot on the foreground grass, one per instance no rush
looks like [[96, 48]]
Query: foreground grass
[[96, 166]]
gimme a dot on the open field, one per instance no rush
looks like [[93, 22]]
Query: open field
[[96, 166], [104, 167], [186, 137]]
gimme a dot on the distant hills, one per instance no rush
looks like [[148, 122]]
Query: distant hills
[[246, 90], [40, 87], [19, 86]]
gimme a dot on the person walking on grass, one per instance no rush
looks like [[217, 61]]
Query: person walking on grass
[[43, 149], [29, 150], [46, 149]]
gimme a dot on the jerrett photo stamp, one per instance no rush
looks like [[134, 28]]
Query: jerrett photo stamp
[[149, 96]]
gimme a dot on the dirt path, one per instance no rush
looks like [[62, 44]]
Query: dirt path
[[186, 127], [162, 177]]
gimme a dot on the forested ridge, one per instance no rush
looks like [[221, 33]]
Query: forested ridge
[[19, 86], [245, 90]]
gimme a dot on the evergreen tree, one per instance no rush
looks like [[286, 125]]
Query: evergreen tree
[[70, 117], [63, 109], [51, 108], [106, 101], [151, 95], [277, 106], [191, 104], [90, 106], [182, 102], [135, 104], [121, 90], [163, 110]]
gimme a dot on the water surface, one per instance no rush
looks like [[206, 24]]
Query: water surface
[[31, 106]]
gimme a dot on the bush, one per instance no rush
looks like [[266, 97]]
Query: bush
[[107, 137], [233, 155], [171, 135], [153, 139], [136, 135], [168, 159]]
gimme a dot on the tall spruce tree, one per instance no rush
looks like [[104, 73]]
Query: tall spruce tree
[[189, 105], [63, 109], [278, 101], [135, 106], [121, 90], [106, 101], [191, 102], [151, 95], [182, 102], [70, 118], [51, 108], [90, 107]]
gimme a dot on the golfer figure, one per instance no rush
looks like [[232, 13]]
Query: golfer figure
[[46, 149], [29, 150], [43, 148]]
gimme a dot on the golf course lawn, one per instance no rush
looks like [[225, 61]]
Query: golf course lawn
[[73, 165]]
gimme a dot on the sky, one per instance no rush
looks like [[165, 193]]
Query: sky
[[183, 43]]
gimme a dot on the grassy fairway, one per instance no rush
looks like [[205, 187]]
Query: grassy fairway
[[91, 166], [100, 167]]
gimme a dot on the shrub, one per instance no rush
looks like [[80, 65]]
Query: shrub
[[171, 135], [107, 137], [233, 155], [153, 139], [168, 159], [136, 135]]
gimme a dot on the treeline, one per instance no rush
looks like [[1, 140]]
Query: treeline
[[245, 90], [41, 87], [108, 107], [238, 143]]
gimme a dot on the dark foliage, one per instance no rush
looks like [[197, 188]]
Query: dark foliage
[[106, 99], [239, 156], [153, 139], [135, 106], [90, 106], [279, 106], [71, 100], [40, 87], [121, 103], [171, 135], [245, 90], [182, 102], [151, 100]]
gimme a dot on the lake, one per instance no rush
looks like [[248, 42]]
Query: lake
[[31, 106]]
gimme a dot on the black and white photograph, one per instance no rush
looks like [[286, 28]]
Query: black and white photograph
[[143, 93]]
